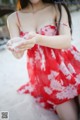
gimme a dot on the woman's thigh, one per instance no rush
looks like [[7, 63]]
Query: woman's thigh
[[67, 111]]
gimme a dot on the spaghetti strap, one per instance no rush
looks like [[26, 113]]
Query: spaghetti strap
[[19, 23]]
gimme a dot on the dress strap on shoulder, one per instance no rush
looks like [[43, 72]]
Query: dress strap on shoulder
[[19, 23]]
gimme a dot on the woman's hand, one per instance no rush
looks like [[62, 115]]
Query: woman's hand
[[27, 44], [17, 55], [11, 46], [13, 42]]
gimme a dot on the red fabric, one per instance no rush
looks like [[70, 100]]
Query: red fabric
[[54, 74]]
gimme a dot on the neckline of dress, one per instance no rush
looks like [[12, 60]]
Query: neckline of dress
[[53, 26]]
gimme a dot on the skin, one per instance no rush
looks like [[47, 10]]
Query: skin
[[33, 23]]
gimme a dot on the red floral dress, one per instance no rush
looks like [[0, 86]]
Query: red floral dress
[[54, 74]]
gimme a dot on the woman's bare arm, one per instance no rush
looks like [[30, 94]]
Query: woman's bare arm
[[63, 40], [14, 31]]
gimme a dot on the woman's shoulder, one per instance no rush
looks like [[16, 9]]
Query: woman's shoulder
[[12, 17]]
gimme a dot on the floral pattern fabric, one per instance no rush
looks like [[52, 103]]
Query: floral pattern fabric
[[54, 74]]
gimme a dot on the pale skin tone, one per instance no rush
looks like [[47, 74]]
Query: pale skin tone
[[32, 22]]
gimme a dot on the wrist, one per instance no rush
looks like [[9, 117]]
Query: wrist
[[38, 38]]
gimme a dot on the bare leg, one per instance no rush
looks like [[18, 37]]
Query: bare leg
[[67, 111]]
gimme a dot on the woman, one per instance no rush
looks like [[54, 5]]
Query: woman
[[43, 29]]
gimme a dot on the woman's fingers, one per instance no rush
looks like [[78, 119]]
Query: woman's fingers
[[20, 43], [10, 48], [19, 39], [14, 40], [16, 50], [20, 50], [24, 48], [27, 42]]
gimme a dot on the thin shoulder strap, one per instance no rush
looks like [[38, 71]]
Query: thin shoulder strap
[[19, 23]]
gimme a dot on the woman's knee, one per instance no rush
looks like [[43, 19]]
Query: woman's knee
[[67, 111]]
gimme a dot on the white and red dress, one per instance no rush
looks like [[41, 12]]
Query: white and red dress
[[54, 74]]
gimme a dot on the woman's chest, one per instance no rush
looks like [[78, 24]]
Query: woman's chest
[[34, 22]]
